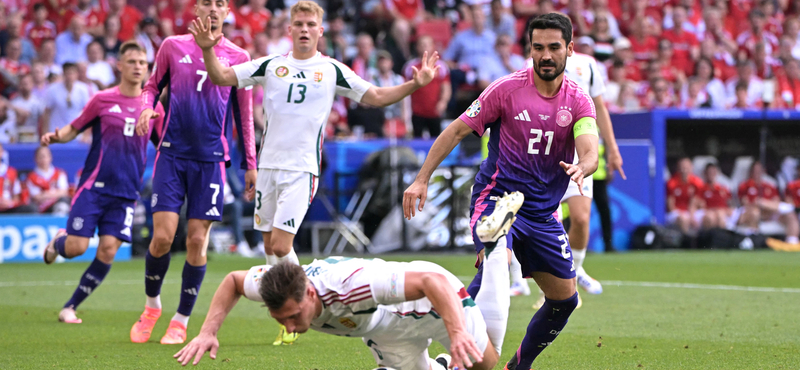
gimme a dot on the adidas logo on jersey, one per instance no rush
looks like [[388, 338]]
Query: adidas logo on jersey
[[523, 116], [212, 212], [300, 75], [289, 223], [192, 291], [186, 59], [115, 109]]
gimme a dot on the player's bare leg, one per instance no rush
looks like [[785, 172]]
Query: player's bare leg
[[580, 211], [156, 265], [279, 243], [94, 275], [490, 359], [270, 255]]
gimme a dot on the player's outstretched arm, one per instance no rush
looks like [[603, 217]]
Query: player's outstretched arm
[[614, 162], [62, 135], [206, 40], [385, 96], [228, 293], [586, 146], [437, 289], [441, 148]]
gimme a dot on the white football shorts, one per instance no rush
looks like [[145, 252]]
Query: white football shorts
[[282, 199]]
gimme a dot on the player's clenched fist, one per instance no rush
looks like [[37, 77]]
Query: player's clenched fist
[[143, 125], [197, 348], [417, 190]]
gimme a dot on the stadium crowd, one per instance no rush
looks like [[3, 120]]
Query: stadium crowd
[[653, 54]]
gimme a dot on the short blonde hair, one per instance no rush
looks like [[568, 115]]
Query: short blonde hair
[[307, 7]]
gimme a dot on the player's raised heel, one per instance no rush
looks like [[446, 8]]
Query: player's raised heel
[[50, 252], [176, 333], [141, 330], [492, 227], [67, 315]]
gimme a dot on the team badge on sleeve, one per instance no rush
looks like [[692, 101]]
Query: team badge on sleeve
[[281, 71], [474, 108]]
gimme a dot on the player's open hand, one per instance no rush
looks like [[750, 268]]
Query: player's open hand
[[427, 70], [143, 124], [201, 30], [51, 137], [462, 346], [201, 344], [575, 173], [250, 184], [417, 190]]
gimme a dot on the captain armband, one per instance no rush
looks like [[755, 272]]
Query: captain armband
[[585, 126]]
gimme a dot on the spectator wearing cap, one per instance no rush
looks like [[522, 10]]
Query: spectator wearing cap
[[30, 108], [745, 73], [686, 47], [64, 100], [94, 17], [98, 71], [501, 22], [623, 52], [603, 39], [71, 44], [40, 28], [111, 41], [175, 19], [429, 103], [757, 33], [499, 64], [149, 38]]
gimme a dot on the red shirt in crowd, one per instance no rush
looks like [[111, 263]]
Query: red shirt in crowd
[[39, 181], [9, 185], [789, 92], [793, 192], [129, 19], [14, 67], [423, 101], [644, 50], [682, 44], [37, 34], [683, 192], [751, 191], [407, 8], [714, 195], [94, 17], [180, 22], [256, 21]]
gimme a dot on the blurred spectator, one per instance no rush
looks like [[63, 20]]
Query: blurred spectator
[[611, 10], [48, 186], [669, 71], [623, 52], [366, 61], [685, 46], [337, 38], [64, 100], [11, 66], [660, 95], [757, 33], [766, 66], [585, 45], [8, 122], [469, 47], [643, 46], [650, 17], [789, 86], [175, 19], [499, 64], [403, 14], [627, 101], [723, 61], [40, 83], [582, 19], [761, 202], [693, 96], [40, 28], [603, 39], [11, 197], [364, 64], [715, 30], [687, 18], [98, 71], [30, 107], [71, 44], [741, 101], [774, 16], [754, 85], [788, 49], [429, 103], [396, 115], [709, 86], [254, 17], [240, 38], [149, 38], [14, 31], [47, 56], [616, 79], [714, 200], [681, 201], [501, 22], [277, 40], [94, 17], [129, 18], [111, 40], [791, 194]]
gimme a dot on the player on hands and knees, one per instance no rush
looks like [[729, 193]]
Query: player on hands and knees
[[190, 164], [111, 178], [538, 119], [299, 90], [583, 70]]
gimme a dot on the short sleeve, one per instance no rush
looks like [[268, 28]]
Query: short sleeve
[[597, 86], [348, 83], [252, 280], [89, 113], [584, 106], [252, 72], [387, 282], [485, 109]]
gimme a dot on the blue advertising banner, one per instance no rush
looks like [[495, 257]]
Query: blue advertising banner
[[24, 238]]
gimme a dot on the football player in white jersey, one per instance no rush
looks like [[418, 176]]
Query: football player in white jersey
[[299, 90], [582, 69], [396, 308]]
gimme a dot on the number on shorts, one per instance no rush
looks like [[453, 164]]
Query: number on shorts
[[130, 126], [258, 199], [128, 216], [216, 192], [204, 76], [377, 352], [564, 252]]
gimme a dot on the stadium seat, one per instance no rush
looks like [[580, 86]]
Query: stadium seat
[[438, 29], [700, 162], [741, 168]]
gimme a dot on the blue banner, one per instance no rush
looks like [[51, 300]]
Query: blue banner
[[24, 238]]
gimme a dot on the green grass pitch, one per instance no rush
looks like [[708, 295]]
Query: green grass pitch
[[704, 319]]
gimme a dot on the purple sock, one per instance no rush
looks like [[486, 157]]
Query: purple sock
[[475, 285], [190, 287], [61, 244], [90, 280], [155, 268], [551, 318]]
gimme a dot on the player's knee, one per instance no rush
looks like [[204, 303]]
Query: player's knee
[[161, 243], [580, 220], [76, 246], [106, 252], [195, 240], [281, 249]]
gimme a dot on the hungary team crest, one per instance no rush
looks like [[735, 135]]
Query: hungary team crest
[[281, 71]]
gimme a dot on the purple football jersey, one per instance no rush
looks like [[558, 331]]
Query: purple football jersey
[[530, 135], [116, 160], [200, 113]]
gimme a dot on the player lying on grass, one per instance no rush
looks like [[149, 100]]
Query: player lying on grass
[[397, 308]]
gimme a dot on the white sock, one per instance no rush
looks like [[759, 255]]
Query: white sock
[[292, 256], [272, 260], [792, 240], [578, 256], [153, 302], [493, 299], [516, 271], [181, 319]]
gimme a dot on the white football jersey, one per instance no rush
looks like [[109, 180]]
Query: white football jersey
[[366, 297], [298, 95], [583, 69]]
